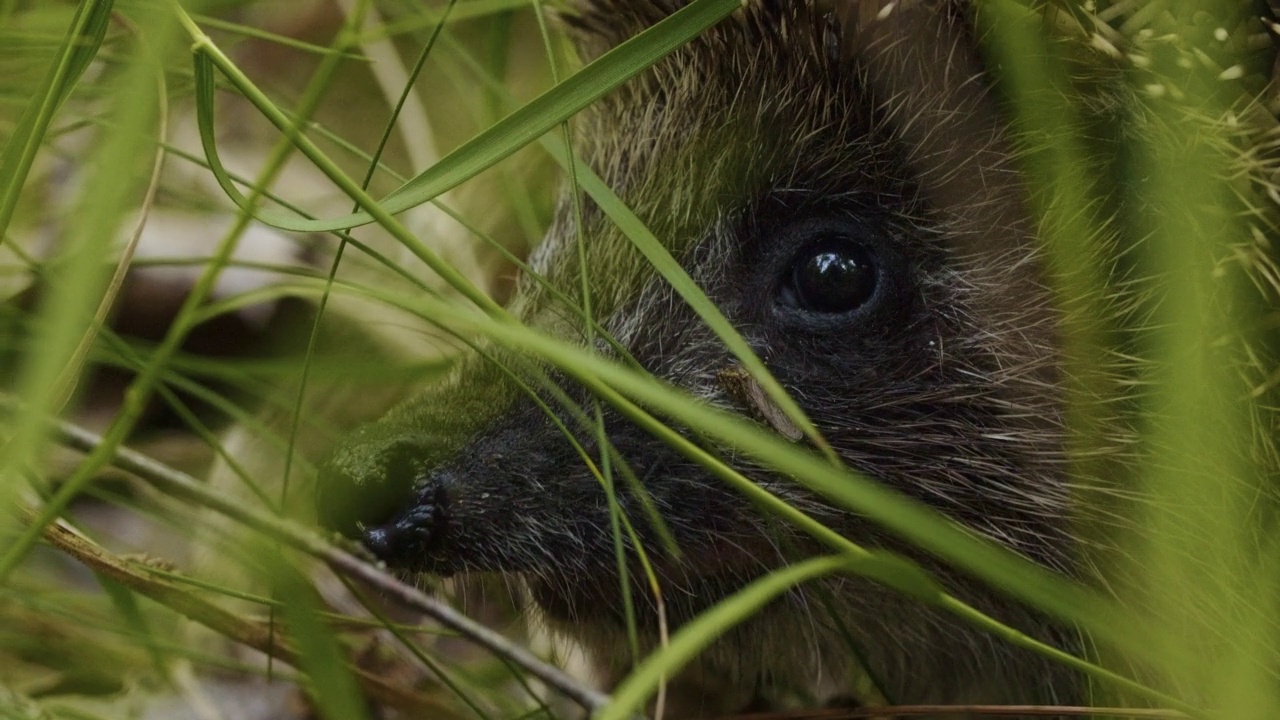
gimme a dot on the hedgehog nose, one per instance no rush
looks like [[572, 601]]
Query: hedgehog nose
[[367, 482], [415, 532]]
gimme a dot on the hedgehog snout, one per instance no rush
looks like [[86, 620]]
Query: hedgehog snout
[[369, 483], [415, 533]]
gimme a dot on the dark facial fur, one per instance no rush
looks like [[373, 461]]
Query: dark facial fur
[[786, 127]]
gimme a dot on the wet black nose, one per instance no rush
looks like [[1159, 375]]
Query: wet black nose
[[369, 480], [416, 533]]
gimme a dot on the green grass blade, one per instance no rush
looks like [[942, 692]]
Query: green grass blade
[[517, 130], [80, 47], [1208, 564], [694, 637], [426, 16], [667, 266], [336, 694], [76, 279]]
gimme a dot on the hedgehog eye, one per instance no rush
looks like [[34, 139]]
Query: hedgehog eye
[[831, 274]]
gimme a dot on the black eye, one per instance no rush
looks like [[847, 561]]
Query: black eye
[[831, 274]]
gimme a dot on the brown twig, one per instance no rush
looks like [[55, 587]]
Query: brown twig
[[889, 712], [252, 634], [348, 563]]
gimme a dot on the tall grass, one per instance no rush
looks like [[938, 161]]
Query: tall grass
[[411, 257]]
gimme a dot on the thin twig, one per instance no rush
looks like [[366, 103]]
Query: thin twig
[[249, 633], [905, 711], [183, 486]]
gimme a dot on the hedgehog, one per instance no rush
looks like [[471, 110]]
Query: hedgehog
[[847, 183]]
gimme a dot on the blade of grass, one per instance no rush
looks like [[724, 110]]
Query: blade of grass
[[76, 279], [136, 397], [670, 269], [206, 57], [78, 49], [427, 16], [1203, 570], [602, 440], [336, 695], [517, 130], [282, 40], [692, 638], [67, 382]]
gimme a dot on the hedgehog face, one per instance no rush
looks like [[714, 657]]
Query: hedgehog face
[[841, 187]]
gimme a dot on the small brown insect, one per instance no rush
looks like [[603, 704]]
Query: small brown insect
[[747, 392]]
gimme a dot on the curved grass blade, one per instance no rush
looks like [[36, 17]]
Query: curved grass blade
[[513, 132], [84, 37], [694, 637]]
